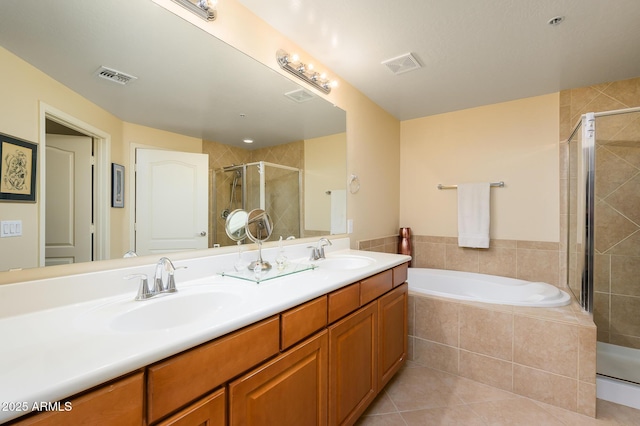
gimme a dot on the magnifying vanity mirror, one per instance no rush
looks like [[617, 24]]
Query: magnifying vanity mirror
[[236, 225], [259, 228], [227, 97]]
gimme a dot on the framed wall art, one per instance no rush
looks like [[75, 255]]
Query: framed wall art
[[117, 185], [18, 161]]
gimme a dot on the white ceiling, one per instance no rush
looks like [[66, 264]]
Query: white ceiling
[[472, 52]]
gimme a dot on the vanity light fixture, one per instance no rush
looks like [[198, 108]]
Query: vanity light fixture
[[306, 72], [206, 9]]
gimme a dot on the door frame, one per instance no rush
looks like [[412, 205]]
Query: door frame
[[101, 184]]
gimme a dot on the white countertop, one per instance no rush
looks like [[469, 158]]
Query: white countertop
[[52, 353]]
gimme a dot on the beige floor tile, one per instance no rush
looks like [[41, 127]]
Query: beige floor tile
[[513, 412], [381, 405], [394, 419], [609, 413], [419, 395], [460, 415], [420, 388]]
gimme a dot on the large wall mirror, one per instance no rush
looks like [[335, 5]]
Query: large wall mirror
[[182, 80]]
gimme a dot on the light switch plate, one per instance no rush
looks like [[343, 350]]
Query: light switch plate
[[10, 228]]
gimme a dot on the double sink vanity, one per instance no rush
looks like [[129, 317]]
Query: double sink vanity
[[312, 346]]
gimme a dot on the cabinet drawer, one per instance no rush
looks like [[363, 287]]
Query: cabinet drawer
[[191, 374], [400, 273], [302, 321], [210, 410], [119, 404], [344, 301], [377, 285]]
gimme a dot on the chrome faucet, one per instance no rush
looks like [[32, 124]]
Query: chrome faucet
[[160, 284], [317, 252]]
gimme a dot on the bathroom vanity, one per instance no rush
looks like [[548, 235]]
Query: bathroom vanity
[[320, 357]]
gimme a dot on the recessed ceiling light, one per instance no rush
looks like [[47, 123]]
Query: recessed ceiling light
[[247, 140], [557, 20]]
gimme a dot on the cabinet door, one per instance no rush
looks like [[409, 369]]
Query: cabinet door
[[118, 403], [290, 390], [392, 328], [352, 365], [209, 411]]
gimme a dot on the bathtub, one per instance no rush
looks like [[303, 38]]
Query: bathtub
[[485, 288]]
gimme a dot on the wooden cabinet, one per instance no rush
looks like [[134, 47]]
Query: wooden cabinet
[[267, 373], [209, 411], [352, 365], [118, 404], [302, 321], [289, 390], [392, 333], [187, 376]]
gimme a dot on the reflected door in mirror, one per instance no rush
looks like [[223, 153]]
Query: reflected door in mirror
[[69, 199], [171, 201]]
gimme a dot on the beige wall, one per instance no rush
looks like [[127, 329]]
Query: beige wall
[[515, 142], [324, 167], [24, 88]]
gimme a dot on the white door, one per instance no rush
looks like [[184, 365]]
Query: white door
[[69, 199], [172, 199]]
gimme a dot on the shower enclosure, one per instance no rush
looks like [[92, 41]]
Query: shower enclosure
[[603, 192], [261, 185]]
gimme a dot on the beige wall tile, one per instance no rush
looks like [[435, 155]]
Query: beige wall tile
[[624, 315], [587, 354], [486, 332], [461, 259], [587, 399], [538, 265], [411, 314], [497, 261], [625, 271], [490, 371], [546, 345], [429, 255], [601, 309], [435, 355], [628, 341], [546, 387], [436, 320]]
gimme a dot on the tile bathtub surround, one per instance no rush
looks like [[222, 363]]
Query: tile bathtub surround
[[545, 354], [455, 400], [527, 260]]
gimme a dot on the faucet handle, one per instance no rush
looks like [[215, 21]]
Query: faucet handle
[[171, 281], [314, 253], [143, 290]]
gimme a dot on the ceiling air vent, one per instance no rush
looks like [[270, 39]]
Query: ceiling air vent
[[115, 76], [402, 64], [300, 95]]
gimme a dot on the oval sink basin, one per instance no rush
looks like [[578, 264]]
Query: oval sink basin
[[172, 311], [341, 263], [161, 312]]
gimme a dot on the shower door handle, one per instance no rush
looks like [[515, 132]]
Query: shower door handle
[[203, 234]]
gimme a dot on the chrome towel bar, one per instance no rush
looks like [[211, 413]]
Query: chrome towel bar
[[495, 184]]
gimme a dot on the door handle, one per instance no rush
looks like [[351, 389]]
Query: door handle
[[203, 234]]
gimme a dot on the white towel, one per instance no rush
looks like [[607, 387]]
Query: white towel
[[338, 211], [473, 215]]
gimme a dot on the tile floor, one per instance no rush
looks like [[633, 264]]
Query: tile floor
[[422, 396]]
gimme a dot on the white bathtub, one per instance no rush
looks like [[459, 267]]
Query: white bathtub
[[485, 288]]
